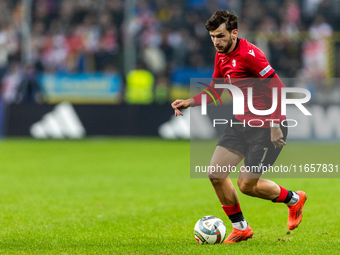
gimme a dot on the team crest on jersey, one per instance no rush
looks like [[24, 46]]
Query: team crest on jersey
[[234, 62]]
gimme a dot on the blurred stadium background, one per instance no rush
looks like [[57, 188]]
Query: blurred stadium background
[[120, 63], [111, 68]]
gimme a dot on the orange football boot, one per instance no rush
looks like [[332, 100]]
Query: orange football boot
[[239, 235], [295, 211]]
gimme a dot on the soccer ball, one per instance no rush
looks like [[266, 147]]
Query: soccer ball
[[210, 230]]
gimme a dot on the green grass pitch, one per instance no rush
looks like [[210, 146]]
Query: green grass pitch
[[135, 196]]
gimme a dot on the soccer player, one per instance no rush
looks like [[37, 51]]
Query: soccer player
[[238, 59]]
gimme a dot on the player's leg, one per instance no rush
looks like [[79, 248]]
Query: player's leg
[[250, 184], [265, 153], [261, 152], [226, 192], [223, 186], [230, 150]]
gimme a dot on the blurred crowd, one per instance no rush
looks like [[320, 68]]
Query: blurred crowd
[[72, 36]]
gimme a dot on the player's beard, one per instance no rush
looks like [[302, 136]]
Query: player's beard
[[226, 48]]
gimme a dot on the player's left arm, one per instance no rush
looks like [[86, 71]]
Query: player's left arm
[[274, 81], [257, 63]]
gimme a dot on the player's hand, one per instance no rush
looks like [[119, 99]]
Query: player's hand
[[277, 137], [180, 104]]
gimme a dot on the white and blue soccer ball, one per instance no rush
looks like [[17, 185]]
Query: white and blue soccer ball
[[210, 230]]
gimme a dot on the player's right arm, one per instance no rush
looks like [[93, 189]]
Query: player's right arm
[[180, 104]]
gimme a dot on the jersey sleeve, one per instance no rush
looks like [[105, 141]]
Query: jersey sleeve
[[257, 63], [216, 93], [275, 82]]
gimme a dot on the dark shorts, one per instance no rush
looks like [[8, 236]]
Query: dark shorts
[[254, 143]]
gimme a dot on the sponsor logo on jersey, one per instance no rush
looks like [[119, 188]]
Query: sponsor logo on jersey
[[234, 62], [265, 70], [251, 52]]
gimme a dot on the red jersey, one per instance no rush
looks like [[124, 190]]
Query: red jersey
[[247, 66]]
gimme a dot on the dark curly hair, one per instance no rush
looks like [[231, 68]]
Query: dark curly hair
[[220, 17]]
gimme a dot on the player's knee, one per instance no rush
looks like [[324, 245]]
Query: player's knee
[[214, 179], [216, 182], [216, 176], [245, 186]]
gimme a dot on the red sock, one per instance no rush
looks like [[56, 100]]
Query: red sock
[[234, 212], [231, 209], [284, 196]]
